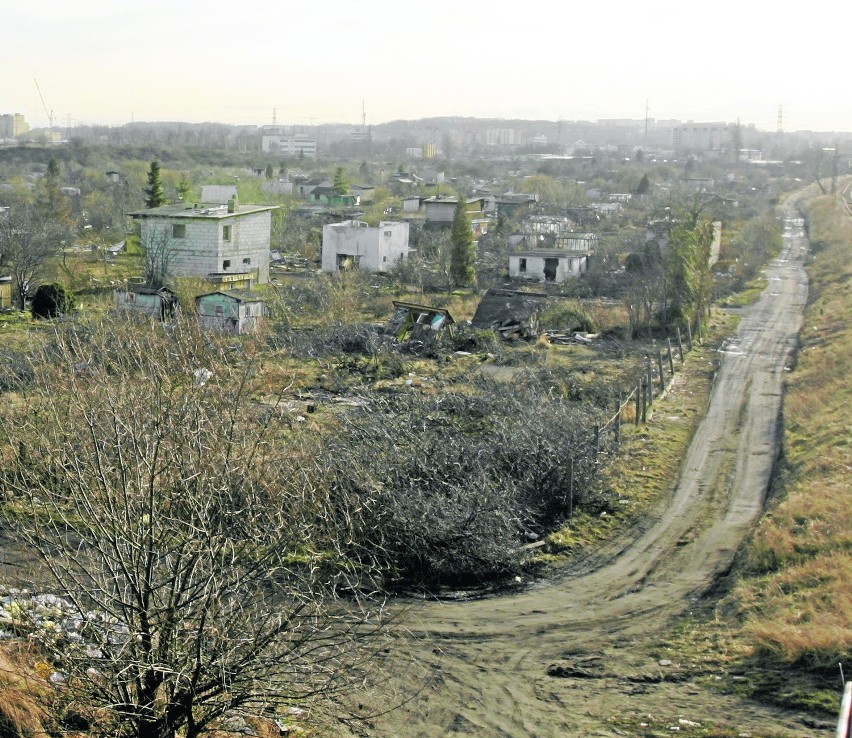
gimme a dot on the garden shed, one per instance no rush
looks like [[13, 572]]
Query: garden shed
[[230, 311], [157, 301]]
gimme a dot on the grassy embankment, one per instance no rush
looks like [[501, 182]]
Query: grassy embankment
[[785, 625], [795, 593]]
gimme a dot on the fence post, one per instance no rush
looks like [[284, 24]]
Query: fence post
[[618, 419], [660, 367], [671, 357], [679, 345], [638, 402], [689, 336], [570, 486], [644, 388], [649, 379]]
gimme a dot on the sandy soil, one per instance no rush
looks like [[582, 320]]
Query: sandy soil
[[580, 657]]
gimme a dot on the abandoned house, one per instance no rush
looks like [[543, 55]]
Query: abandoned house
[[509, 312], [158, 302], [226, 244], [230, 311], [411, 321], [352, 244], [548, 265]]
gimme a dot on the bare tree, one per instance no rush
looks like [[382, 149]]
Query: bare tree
[[159, 254], [205, 565], [27, 241]]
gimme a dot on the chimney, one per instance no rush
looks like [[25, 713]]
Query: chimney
[[232, 204]]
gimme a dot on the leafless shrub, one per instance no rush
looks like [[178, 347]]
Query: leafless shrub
[[204, 562], [451, 486]]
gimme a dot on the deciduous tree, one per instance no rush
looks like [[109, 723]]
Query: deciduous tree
[[28, 239]]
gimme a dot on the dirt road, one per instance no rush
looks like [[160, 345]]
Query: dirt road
[[564, 659]]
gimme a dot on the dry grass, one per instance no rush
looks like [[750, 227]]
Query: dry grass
[[796, 595], [23, 696]]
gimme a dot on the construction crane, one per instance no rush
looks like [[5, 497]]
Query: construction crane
[[48, 113]]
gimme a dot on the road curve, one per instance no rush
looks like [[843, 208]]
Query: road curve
[[485, 662]]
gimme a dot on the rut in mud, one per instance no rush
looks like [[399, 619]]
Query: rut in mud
[[562, 659]]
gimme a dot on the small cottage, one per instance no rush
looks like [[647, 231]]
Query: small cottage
[[230, 311], [158, 302], [352, 244], [548, 265]]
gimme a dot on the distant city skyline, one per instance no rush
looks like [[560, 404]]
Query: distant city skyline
[[104, 63]]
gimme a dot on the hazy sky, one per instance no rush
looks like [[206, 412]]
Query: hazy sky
[[110, 61]]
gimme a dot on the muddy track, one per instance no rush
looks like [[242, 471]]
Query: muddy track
[[563, 659]]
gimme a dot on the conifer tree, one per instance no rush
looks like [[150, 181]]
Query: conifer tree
[[154, 195], [341, 182], [50, 202], [463, 252]]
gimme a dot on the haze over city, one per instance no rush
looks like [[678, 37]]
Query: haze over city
[[101, 62]]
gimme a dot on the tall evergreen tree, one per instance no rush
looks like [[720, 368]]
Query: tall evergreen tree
[[154, 195], [463, 253], [341, 182], [50, 202]]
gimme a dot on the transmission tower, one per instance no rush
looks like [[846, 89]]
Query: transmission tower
[[780, 127]]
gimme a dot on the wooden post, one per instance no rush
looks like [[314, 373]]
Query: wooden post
[[649, 380], [671, 357], [570, 486], [618, 419], [644, 388], [680, 345], [689, 337], [660, 367], [638, 402]]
